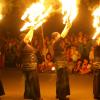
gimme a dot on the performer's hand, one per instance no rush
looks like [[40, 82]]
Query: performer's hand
[[26, 40]]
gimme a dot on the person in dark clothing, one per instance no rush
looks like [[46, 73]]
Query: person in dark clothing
[[2, 92], [96, 72], [62, 88], [62, 81], [29, 67]]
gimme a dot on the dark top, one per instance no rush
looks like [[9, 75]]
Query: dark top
[[28, 57], [58, 51]]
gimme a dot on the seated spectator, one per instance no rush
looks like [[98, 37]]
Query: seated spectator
[[91, 55], [49, 61], [86, 67], [75, 54], [77, 66]]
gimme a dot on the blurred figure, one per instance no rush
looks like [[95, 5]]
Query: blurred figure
[[40, 59], [96, 73], [86, 67], [91, 55], [49, 62], [55, 36], [29, 67], [2, 92], [77, 66], [62, 81]]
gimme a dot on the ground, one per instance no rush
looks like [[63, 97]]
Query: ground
[[81, 86]]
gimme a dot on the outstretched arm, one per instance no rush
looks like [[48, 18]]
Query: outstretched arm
[[66, 30]]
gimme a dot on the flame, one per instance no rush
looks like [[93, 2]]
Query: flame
[[69, 10], [29, 35], [1, 16], [1, 8], [37, 14], [98, 41], [96, 22]]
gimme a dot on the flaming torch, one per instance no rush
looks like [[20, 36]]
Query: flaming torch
[[96, 22], [37, 14], [69, 10], [1, 8]]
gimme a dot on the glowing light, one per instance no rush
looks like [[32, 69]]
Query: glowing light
[[29, 35], [1, 8], [96, 22], [37, 14], [69, 10], [1, 16], [53, 68], [98, 41]]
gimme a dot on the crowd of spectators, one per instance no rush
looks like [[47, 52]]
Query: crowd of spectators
[[78, 49]]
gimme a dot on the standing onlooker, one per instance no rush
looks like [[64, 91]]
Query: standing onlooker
[[96, 73], [2, 92], [91, 55]]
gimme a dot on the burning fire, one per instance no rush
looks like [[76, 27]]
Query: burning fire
[[69, 10], [29, 35], [37, 14], [1, 8], [98, 41], [96, 22]]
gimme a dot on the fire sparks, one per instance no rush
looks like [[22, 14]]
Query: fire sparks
[[29, 35], [1, 8], [36, 14], [69, 10], [96, 22], [98, 41]]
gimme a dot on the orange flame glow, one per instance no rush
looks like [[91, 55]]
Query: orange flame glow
[[29, 35], [37, 15], [98, 41], [1, 8], [69, 10], [96, 22]]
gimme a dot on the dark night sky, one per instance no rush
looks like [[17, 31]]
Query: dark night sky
[[11, 23]]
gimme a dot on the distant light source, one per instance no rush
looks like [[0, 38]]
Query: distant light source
[[1, 16], [96, 21], [53, 69]]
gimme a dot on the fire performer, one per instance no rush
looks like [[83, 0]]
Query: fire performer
[[62, 81], [69, 10], [29, 67], [96, 70]]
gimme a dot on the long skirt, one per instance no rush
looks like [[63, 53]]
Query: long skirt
[[32, 87], [62, 84], [1, 89], [96, 84]]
